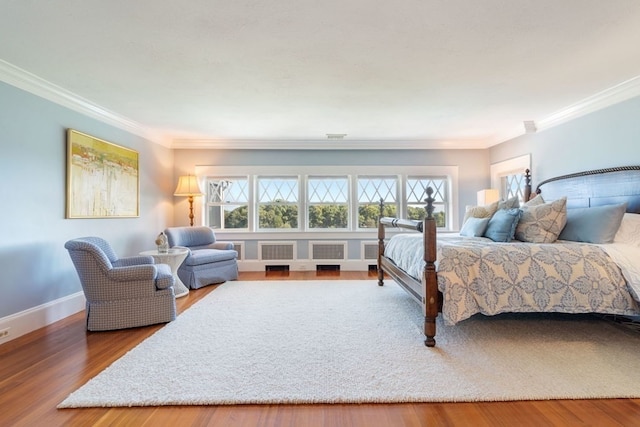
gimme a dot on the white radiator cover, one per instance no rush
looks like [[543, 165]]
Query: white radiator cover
[[323, 250], [276, 251], [370, 250], [320, 252]]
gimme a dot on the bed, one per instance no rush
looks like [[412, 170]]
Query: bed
[[575, 272]]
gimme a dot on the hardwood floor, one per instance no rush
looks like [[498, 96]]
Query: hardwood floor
[[38, 370]]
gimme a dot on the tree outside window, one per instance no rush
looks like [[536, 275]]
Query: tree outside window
[[272, 202], [372, 189], [228, 202], [278, 202], [328, 202]]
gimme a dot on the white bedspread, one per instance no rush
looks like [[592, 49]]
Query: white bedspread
[[628, 259]]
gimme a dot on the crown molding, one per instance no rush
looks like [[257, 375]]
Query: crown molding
[[606, 98], [35, 85], [326, 144], [31, 83]]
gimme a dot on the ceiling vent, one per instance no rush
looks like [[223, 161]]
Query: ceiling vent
[[530, 126]]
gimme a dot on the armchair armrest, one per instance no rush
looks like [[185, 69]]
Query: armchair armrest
[[133, 260], [221, 245], [135, 272], [164, 278]]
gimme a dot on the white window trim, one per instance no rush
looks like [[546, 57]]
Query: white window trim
[[451, 172], [516, 165], [205, 202]]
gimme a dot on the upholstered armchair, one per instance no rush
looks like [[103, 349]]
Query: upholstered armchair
[[209, 261], [121, 292]]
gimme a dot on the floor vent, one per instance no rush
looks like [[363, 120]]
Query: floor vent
[[325, 267], [276, 268]]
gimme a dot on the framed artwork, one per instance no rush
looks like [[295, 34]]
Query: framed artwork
[[102, 178]]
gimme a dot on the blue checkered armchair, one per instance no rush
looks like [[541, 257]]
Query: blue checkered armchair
[[121, 292]]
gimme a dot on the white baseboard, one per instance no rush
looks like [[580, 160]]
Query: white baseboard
[[38, 317]]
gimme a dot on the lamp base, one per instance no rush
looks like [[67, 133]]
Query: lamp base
[[191, 216]]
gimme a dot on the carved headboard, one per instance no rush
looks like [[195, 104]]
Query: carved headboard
[[596, 188]]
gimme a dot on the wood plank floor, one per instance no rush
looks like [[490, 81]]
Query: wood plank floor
[[38, 370]]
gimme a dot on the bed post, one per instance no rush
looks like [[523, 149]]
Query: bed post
[[429, 280], [527, 185], [380, 244]]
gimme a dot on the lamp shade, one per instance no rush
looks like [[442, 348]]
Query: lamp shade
[[488, 196], [188, 186]]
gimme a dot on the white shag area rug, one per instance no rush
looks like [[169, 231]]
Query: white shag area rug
[[356, 342]]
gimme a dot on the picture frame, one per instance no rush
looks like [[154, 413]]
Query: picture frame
[[102, 178]]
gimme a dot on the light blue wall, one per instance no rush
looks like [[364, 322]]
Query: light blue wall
[[36, 268], [473, 165], [473, 175], [606, 138]]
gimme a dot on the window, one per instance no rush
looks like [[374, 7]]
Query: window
[[416, 190], [508, 176], [278, 202], [372, 189], [324, 199], [328, 202], [228, 203], [513, 186]]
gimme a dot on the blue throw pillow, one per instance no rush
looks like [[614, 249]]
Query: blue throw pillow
[[597, 224], [502, 225], [474, 227]]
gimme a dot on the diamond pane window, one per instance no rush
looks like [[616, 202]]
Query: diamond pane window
[[278, 202], [372, 189], [416, 190], [328, 202], [513, 186], [228, 203]]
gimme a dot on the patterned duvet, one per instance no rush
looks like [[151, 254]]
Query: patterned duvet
[[477, 275]]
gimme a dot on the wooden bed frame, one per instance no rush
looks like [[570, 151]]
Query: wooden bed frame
[[583, 189]]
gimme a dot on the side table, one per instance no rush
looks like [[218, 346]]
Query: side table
[[173, 258]]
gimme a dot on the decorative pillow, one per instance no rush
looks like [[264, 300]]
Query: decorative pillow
[[480, 211], [502, 225], [597, 224], [542, 223], [474, 227], [536, 201], [629, 231], [511, 203]]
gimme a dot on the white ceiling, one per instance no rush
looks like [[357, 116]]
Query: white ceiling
[[445, 73]]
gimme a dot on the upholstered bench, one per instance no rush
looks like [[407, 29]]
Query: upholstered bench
[[208, 262]]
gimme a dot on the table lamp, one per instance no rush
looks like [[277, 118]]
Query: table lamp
[[188, 186], [487, 196]]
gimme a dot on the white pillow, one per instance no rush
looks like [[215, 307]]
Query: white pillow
[[629, 231]]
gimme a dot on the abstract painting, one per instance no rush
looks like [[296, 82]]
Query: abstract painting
[[102, 178]]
